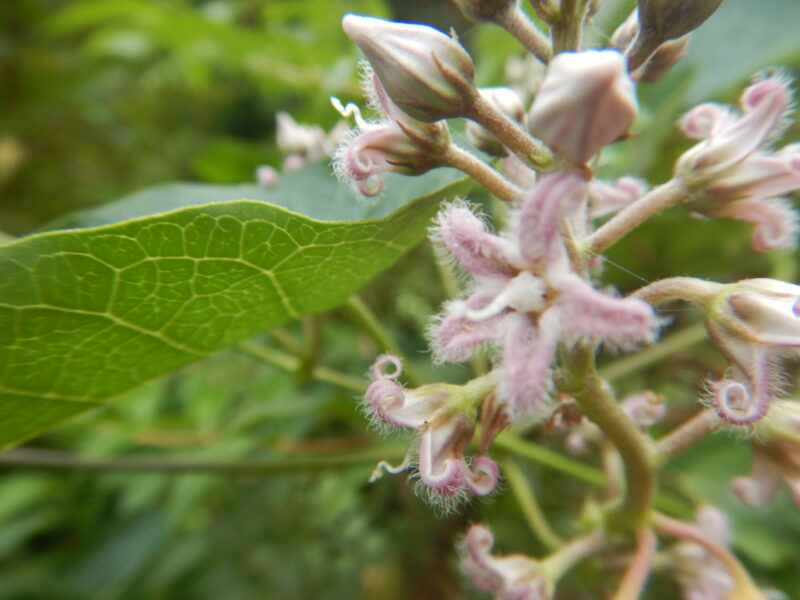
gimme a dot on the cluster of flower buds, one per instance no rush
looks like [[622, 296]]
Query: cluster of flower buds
[[530, 297]]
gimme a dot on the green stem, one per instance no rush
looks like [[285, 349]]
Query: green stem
[[596, 402], [688, 434], [567, 30], [530, 507], [673, 343], [49, 459], [549, 458], [366, 320], [287, 340], [292, 364], [566, 557], [313, 332]]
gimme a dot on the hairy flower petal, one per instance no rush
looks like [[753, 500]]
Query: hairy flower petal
[[480, 253]]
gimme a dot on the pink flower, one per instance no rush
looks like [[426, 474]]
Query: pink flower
[[728, 139], [526, 298], [736, 177], [513, 577], [397, 143], [446, 422]]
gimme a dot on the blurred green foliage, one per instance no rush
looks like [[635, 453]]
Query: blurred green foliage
[[103, 97]]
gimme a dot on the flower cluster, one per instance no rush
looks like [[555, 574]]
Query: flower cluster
[[526, 297]]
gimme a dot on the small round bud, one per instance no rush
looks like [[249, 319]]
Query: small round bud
[[426, 73]]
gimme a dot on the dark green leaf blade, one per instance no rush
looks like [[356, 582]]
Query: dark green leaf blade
[[88, 314]]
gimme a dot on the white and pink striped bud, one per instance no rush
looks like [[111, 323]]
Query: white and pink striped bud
[[426, 73], [585, 102], [506, 101], [512, 577], [760, 311]]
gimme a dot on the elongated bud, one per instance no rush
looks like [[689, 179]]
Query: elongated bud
[[663, 20], [585, 102], [485, 10], [426, 73], [662, 61], [506, 100], [671, 19]]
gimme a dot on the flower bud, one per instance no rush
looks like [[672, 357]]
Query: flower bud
[[505, 100], [663, 20], [585, 102], [670, 19], [661, 62], [485, 10], [764, 311], [426, 73], [624, 35]]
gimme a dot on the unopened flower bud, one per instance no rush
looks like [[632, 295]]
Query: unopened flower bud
[[764, 311], [426, 73], [506, 100], [671, 19], [485, 10], [624, 35], [662, 61], [585, 102]]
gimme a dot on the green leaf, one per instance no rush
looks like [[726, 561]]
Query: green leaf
[[88, 314], [312, 192]]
